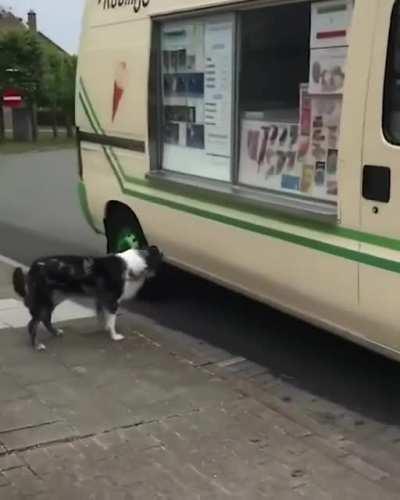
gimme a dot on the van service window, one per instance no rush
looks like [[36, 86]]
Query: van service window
[[391, 119], [197, 83], [290, 85]]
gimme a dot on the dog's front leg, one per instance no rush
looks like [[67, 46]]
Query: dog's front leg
[[100, 314], [110, 318]]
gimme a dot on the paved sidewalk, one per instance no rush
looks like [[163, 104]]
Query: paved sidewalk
[[144, 419]]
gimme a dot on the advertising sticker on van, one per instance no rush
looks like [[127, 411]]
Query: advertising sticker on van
[[136, 5]]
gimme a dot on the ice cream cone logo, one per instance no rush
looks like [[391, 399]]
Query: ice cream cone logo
[[120, 84]]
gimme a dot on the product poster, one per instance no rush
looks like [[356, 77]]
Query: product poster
[[298, 158], [305, 110], [332, 188], [290, 182], [327, 70], [319, 150], [325, 126], [332, 161], [268, 156], [307, 180]]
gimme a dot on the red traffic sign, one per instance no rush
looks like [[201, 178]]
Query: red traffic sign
[[12, 98]]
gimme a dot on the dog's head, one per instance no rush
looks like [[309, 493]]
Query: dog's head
[[153, 258]]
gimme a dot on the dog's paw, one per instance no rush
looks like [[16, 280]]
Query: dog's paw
[[117, 337], [40, 347], [59, 332]]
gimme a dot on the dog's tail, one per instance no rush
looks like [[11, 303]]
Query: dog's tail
[[19, 282]]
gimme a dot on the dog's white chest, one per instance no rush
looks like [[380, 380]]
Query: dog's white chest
[[131, 288]]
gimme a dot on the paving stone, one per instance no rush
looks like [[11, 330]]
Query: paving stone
[[86, 451], [329, 475], [61, 485], [22, 413], [192, 484], [100, 419], [143, 419], [10, 389], [177, 405], [9, 492], [40, 367], [67, 393], [384, 460], [35, 436], [10, 461], [365, 469], [38, 460], [86, 408], [25, 481], [3, 482]]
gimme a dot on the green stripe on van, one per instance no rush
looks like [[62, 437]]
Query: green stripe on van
[[85, 207], [335, 250], [85, 94], [320, 227]]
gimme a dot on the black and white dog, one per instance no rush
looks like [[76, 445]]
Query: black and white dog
[[108, 280]]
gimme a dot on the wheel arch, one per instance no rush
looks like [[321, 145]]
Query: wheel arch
[[120, 217]]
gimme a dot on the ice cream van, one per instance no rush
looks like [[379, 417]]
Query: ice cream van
[[257, 142]]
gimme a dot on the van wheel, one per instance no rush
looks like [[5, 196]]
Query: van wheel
[[123, 229]]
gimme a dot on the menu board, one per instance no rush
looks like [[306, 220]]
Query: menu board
[[197, 67], [218, 88]]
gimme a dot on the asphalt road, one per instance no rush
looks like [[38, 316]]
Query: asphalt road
[[334, 382], [39, 206]]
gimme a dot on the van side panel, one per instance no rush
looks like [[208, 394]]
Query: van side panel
[[245, 251]]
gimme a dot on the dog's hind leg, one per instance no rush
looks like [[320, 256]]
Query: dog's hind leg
[[46, 320], [32, 329], [110, 315]]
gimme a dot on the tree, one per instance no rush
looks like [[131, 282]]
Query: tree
[[58, 90], [5, 9], [52, 82], [67, 93], [22, 66]]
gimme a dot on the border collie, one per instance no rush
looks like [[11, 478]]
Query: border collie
[[108, 280]]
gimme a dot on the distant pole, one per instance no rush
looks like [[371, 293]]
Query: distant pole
[[34, 121], [2, 124], [32, 25]]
